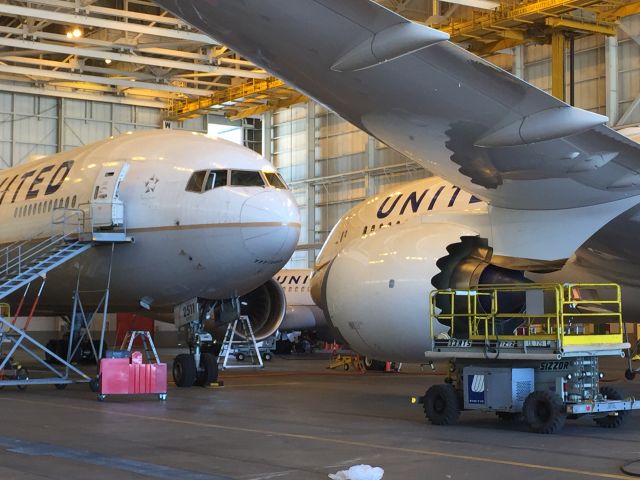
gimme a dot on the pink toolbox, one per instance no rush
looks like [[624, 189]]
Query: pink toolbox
[[129, 376]]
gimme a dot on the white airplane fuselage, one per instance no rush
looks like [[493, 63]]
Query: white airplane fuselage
[[376, 269], [216, 244]]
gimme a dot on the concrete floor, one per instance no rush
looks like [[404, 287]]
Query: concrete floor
[[294, 420]]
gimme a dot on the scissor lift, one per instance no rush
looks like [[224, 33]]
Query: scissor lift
[[527, 352]]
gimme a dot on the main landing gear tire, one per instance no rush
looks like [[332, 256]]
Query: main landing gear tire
[[375, 365], [184, 370], [614, 419], [544, 412], [441, 405], [208, 374]]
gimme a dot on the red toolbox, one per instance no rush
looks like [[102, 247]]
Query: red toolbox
[[129, 376]]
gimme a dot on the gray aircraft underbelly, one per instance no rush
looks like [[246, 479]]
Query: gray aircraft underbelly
[[169, 266]]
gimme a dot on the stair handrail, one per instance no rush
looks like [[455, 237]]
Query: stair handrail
[[19, 261]]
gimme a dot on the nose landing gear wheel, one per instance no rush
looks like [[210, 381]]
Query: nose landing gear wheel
[[184, 370], [208, 374], [544, 412], [441, 405]]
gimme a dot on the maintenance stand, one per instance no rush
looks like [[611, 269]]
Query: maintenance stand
[[528, 352]]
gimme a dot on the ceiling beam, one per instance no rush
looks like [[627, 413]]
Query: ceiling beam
[[50, 92], [125, 57], [83, 20], [120, 82]]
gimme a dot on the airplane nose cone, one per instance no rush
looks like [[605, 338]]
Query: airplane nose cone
[[270, 226]]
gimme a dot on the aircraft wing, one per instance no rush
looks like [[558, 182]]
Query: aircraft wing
[[461, 117]]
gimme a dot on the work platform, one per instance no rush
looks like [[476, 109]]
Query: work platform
[[528, 351], [550, 322]]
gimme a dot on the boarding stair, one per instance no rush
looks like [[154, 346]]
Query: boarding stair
[[73, 232], [24, 262]]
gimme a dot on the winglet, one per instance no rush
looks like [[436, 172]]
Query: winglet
[[389, 44], [557, 122]]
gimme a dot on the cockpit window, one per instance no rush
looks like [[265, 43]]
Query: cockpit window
[[275, 180], [216, 178], [196, 181], [246, 178]]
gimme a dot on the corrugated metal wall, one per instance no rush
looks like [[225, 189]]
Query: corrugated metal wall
[[39, 125]]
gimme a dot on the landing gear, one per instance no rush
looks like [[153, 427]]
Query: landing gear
[[208, 374], [197, 367], [184, 370], [371, 364]]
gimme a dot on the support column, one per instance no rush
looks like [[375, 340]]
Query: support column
[[371, 158], [311, 187], [611, 79], [267, 123], [518, 61], [558, 67]]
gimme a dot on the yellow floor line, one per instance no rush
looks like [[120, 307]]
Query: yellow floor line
[[337, 441]]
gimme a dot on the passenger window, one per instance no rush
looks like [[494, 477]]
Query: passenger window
[[364, 232], [196, 181], [245, 178], [216, 178], [66, 203], [275, 180], [73, 201]]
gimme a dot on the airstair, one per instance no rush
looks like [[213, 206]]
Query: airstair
[[73, 232], [24, 262]]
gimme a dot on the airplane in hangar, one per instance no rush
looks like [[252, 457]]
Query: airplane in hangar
[[527, 184], [208, 220]]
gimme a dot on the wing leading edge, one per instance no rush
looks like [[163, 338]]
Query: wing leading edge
[[463, 118]]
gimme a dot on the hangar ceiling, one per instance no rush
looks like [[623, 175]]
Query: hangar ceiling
[[134, 52]]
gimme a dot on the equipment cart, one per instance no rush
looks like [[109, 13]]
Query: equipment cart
[[528, 352], [125, 374]]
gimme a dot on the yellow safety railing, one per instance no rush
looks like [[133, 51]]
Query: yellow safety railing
[[5, 310], [570, 314]]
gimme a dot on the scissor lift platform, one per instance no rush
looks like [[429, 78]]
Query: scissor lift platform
[[528, 351]]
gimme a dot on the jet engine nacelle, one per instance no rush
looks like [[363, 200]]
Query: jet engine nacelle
[[265, 306], [376, 290]]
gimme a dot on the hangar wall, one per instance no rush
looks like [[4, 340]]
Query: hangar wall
[[331, 165], [41, 125]]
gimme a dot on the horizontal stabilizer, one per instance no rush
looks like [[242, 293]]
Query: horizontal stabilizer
[[557, 122], [390, 43]]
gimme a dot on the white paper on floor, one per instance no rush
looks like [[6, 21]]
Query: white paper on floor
[[359, 472]]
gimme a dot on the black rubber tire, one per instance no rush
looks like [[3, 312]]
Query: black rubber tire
[[22, 374], [544, 412], [373, 365], [60, 386], [441, 404], [612, 421], [267, 357], [208, 374], [629, 374], [184, 370], [94, 384], [240, 357], [346, 367]]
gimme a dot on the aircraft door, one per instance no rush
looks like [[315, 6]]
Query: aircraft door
[[107, 210]]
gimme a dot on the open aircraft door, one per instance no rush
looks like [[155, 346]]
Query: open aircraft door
[[107, 210]]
